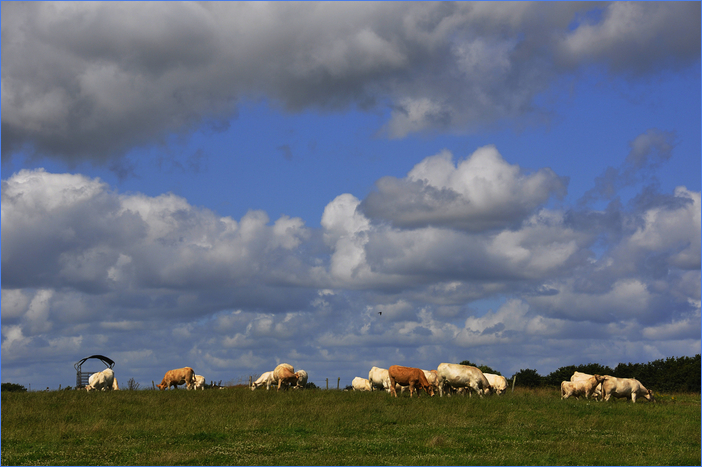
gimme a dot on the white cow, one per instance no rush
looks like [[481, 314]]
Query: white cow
[[462, 376], [199, 382], [301, 379], [625, 388], [433, 379], [101, 381], [266, 378], [360, 384], [580, 387], [498, 383], [379, 378], [578, 376]]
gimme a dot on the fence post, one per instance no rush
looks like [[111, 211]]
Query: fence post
[[59, 387], [514, 380], [152, 385], [250, 379], [327, 383], [337, 382]]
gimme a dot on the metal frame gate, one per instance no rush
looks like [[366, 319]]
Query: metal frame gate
[[82, 377]]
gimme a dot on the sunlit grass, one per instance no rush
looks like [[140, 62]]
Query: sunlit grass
[[240, 427]]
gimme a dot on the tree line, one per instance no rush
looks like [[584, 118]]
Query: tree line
[[681, 374]]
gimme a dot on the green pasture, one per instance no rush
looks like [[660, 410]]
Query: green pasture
[[315, 427]]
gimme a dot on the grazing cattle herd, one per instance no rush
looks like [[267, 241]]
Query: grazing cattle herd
[[447, 378]]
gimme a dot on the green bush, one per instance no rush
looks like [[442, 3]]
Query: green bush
[[12, 387], [528, 378], [671, 374]]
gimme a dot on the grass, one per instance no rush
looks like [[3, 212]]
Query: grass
[[240, 427]]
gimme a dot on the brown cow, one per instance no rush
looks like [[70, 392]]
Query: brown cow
[[184, 375], [407, 376], [286, 377]]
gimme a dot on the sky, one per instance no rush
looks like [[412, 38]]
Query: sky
[[230, 186]]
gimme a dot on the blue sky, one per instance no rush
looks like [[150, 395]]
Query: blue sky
[[340, 186]]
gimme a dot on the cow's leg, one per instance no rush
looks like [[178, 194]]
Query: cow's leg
[[633, 397], [392, 387], [412, 389]]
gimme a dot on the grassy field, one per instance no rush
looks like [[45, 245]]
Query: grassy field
[[240, 427]]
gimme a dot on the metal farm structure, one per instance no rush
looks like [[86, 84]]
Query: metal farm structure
[[82, 377]]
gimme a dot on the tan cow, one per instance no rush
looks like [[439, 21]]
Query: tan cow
[[360, 384], [408, 376], [462, 376], [115, 386], [286, 378], [184, 375], [580, 387], [597, 392], [433, 377], [625, 388], [284, 375], [498, 383]]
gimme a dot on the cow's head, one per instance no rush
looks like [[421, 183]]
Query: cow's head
[[649, 396], [161, 386], [89, 388], [599, 379]]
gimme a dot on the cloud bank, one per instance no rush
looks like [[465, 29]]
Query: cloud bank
[[158, 280], [91, 81]]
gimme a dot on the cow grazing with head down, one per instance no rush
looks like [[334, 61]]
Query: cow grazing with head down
[[284, 374], [498, 383], [266, 378], [360, 384], [301, 379], [625, 388], [580, 387], [408, 376], [199, 382], [101, 381], [432, 377], [462, 376], [184, 375]]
